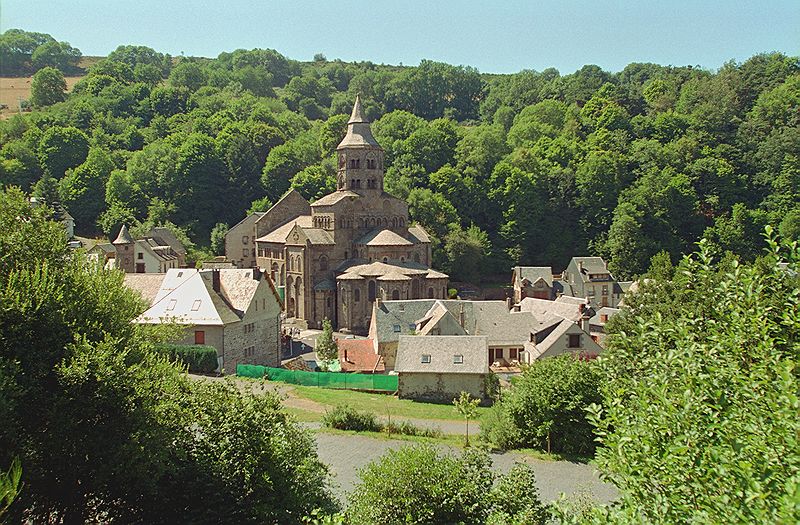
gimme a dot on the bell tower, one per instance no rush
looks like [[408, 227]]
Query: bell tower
[[360, 156]]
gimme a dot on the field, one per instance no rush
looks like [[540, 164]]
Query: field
[[12, 89]]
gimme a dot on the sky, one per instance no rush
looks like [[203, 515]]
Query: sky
[[495, 36]]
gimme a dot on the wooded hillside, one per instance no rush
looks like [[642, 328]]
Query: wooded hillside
[[529, 168]]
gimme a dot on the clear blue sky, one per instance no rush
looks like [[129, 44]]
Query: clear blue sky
[[494, 35]]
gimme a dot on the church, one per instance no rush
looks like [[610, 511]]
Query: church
[[335, 257]]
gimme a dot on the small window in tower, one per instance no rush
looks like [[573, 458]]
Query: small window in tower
[[140, 256]]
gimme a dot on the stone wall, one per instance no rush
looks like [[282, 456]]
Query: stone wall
[[439, 387]]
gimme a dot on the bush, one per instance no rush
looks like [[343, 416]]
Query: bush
[[409, 429], [546, 408], [201, 359], [420, 485], [345, 418]]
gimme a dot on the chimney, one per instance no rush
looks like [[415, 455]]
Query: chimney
[[257, 273], [509, 303], [580, 266], [345, 356], [215, 280], [461, 316]]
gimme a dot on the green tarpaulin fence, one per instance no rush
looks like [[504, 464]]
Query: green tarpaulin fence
[[322, 379]]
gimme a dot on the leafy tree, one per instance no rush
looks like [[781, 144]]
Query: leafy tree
[[59, 55], [48, 87], [82, 190], [315, 181], [420, 485], [466, 251], [61, 148], [468, 408], [325, 347], [187, 74], [80, 384], [700, 423], [218, 238], [546, 408]]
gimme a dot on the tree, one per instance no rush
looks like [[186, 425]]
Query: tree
[[48, 87], [466, 251], [325, 347], [468, 408], [80, 383], [218, 238], [61, 148], [59, 55], [420, 485], [82, 190], [546, 408], [700, 417]]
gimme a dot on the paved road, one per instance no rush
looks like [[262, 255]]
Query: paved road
[[346, 454]]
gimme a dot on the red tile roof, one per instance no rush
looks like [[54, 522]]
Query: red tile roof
[[358, 355]]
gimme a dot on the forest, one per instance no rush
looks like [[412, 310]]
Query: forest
[[529, 168]]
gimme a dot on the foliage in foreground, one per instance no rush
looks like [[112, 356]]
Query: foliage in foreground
[[546, 408], [200, 359], [420, 485], [106, 429], [700, 423], [344, 417]]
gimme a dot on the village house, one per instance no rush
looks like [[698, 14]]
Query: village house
[[237, 311], [440, 368], [358, 355], [155, 252], [335, 257], [588, 277], [597, 324], [532, 281], [560, 336]]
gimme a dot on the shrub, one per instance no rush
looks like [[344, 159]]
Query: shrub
[[409, 429], [546, 408], [201, 359], [420, 485], [345, 418]]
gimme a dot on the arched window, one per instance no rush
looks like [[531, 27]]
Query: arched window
[[444, 292], [430, 293], [395, 295], [402, 259], [329, 302], [345, 255], [416, 257], [371, 291], [385, 259], [402, 222], [357, 295], [323, 262]]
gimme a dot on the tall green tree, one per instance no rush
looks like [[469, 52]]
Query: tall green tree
[[48, 87]]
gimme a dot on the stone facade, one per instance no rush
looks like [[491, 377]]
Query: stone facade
[[333, 258], [156, 252]]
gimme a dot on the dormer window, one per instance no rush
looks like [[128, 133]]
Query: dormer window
[[426, 358], [458, 359]]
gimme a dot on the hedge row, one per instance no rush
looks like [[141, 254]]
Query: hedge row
[[199, 358]]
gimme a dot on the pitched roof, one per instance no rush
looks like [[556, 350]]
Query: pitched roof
[[542, 308], [560, 329], [590, 265], [419, 233], [598, 316], [124, 236], [383, 237], [357, 115], [377, 268], [442, 351], [318, 236], [278, 235], [333, 198], [164, 237], [534, 273], [147, 284], [394, 276], [358, 355]]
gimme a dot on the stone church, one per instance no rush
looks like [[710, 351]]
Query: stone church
[[336, 256]]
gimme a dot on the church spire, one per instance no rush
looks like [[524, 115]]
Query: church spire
[[359, 134]]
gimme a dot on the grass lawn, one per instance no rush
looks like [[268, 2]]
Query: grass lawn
[[380, 404]]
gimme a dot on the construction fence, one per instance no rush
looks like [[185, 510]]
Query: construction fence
[[339, 380]]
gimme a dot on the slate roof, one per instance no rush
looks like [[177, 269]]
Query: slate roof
[[358, 269], [318, 236], [419, 233], [542, 309], [534, 273], [124, 236], [278, 235], [542, 347], [333, 198], [147, 284], [358, 355], [383, 237], [606, 310], [442, 349]]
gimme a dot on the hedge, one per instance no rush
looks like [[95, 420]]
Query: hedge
[[199, 358]]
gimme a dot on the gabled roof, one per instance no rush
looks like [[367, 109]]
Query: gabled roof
[[441, 349], [542, 308], [591, 265], [598, 316], [534, 273], [358, 355], [333, 198], [164, 237], [278, 235], [560, 329], [147, 284], [318, 236], [383, 237]]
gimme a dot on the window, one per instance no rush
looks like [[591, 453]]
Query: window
[[196, 305], [402, 308], [180, 274], [574, 341], [426, 358], [245, 239], [396, 328], [513, 354], [603, 318], [245, 252], [412, 326], [329, 302], [605, 289], [371, 291], [171, 304], [458, 359], [140, 256], [199, 337], [395, 295], [357, 295]]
